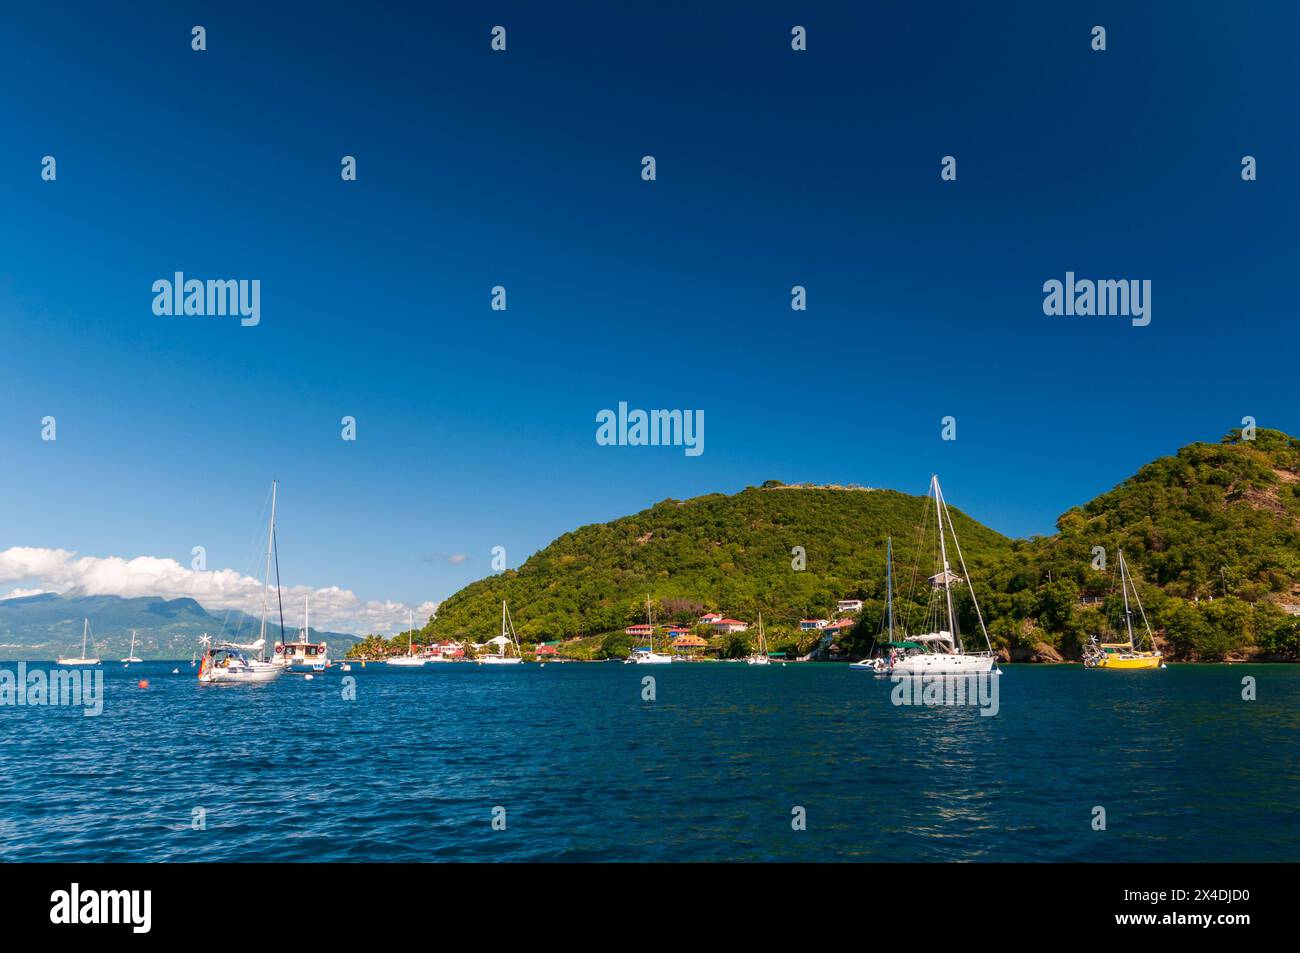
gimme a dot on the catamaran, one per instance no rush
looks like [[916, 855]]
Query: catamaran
[[303, 655], [503, 642], [130, 656], [83, 660], [647, 655], [760, 657], [1125, 655], [941, 652], [227, 662], [410, 658]]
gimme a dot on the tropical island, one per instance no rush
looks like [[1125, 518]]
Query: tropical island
[[1211, 536]]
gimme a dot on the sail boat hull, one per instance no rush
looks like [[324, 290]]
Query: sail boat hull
[[648, 658], [500, 660], [943, 664], [1138, 660]]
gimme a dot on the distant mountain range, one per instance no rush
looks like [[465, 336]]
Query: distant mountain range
[[48, 625]]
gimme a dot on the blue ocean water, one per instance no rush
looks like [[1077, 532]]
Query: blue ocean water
[[711, 770]]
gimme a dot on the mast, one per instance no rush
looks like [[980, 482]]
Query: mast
[[943, 556], [85, 631], [306, 617], [266, 579], [410, 632], [1128, 613], [889, 584]]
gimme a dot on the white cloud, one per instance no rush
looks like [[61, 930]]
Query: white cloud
[[457, 558], [62, 571], [21, 593]]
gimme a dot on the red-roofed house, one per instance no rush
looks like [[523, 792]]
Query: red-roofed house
[[708, 618], [729, 625], [639, 629]]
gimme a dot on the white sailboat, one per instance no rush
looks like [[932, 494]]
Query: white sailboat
[[130, 656], [882, 663], [410, 659], [227, 663], [83, 660], [503, 642], [941, 652], [648, 655], [303, 655], [760, 657]]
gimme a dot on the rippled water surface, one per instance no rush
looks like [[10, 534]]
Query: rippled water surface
[[711, 770]]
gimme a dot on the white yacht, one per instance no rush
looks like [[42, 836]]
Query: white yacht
[[646, 655], [82, 660], [227, 662], [410, 659], [303, 655], [503, 642], [130, 655], [940, 652], [760, 657]]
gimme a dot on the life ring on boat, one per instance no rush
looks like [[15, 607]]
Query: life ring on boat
[[279, 650]]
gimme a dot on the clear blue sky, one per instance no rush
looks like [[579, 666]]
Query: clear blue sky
[[476, 428]]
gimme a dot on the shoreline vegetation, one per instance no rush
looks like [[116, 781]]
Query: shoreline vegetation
[[1212, 535]]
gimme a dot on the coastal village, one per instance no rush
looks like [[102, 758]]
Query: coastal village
[[706, 639]]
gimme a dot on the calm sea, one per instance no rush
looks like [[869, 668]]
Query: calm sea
[[585, 770]]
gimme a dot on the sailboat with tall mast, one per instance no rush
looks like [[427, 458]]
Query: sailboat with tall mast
[[302, 654], [878, 661], [130, 655], [760, 657], [647, 655], [941, 652], [83, 659], [503, 641], [410, 659], [227, 662], [1125, 655]]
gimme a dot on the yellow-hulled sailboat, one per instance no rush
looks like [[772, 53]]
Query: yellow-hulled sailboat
[[1125, 655]]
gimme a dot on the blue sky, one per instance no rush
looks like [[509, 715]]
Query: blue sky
[[476, 428]]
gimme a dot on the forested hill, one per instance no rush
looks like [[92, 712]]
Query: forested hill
[[735, 554], [1212, 535]]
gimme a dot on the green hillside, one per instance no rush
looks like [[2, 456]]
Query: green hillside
[[1212, 535], [733, 554]]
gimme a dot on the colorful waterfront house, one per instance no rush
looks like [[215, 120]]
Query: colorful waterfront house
[[640, 630], [728, 626], [546, 649], [709, 618], [674, 631], [808, 625], [849, 605], [688, 643]]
